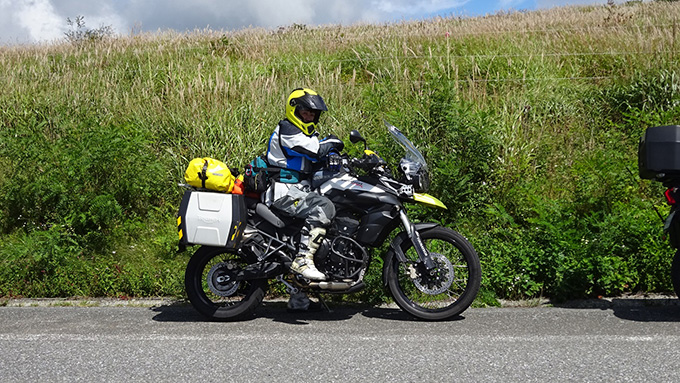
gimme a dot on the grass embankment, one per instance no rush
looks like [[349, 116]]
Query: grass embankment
[[530, 122]]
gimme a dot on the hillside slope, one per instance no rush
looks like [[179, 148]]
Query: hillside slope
[[530, 121]]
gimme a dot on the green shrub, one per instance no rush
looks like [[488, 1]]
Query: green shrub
[[529, 122]]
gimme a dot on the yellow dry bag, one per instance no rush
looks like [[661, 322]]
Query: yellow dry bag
[[209, 173]]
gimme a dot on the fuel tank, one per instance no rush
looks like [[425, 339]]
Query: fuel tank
[[346, 182]]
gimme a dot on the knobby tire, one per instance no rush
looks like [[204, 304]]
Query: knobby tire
[[239, 305], [436, 305]]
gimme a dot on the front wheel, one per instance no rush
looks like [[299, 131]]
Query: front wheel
[[446, 291], [212, 287], [675, 273]]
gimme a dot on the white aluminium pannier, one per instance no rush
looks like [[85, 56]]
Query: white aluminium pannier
[[212, 219]]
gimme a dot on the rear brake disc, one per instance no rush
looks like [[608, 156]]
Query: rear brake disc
[[220, 280]]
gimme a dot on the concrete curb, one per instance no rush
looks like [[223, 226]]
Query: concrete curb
[[636, 300], [90, 302], [639, 300]]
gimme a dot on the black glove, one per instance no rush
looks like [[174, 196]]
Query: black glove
[[331, 143], [339, 146]]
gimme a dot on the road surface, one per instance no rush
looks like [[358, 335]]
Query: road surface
[[171, 343]]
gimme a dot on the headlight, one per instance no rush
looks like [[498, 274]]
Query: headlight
[[415, 174], [422, 181]]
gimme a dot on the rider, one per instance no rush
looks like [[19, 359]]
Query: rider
[[295, 146]]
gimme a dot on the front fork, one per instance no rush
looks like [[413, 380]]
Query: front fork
[[418, 245]]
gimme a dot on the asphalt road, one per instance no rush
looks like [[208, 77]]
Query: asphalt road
[[170, 343]]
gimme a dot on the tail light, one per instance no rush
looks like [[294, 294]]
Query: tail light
[[671, 194]]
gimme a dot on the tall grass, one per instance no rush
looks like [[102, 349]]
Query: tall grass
[[530, 121]]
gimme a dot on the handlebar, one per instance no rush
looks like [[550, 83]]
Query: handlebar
[[369, 162]]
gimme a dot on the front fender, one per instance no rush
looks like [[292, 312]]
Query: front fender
[[429, 200], [395, 247]]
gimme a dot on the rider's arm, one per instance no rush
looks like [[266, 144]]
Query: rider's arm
[[297, 144], [330, 143]]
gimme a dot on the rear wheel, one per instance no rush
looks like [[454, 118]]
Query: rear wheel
[[212, 288], [675, 273], [446, 291]]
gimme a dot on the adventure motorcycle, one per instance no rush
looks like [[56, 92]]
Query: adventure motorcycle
[[659, 160], [432, 272]]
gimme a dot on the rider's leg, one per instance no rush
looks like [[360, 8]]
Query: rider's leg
[[317, 211], [310, 240]]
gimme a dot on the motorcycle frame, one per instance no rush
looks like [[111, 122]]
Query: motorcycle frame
[[276, 248]]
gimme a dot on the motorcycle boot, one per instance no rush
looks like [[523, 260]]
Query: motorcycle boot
[[303, 264]]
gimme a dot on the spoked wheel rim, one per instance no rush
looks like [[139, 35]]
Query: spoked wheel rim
[[443, 292], [213, 289], [217, 281], [440, 290]]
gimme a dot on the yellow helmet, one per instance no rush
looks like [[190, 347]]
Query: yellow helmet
[[304, 98]]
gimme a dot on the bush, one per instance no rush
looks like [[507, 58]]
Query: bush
[[80, 34], [531, 138]]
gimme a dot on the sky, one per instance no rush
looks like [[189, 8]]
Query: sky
[[45, 21]]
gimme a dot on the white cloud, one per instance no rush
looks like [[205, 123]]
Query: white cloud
[[237, 14], [26, 21], [41, 20], [542, 4], [105, 15], [45, 20], [269, 12], [406, 7], [32, 20], [510, 4]]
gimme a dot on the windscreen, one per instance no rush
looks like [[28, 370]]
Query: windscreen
[[412, 153]]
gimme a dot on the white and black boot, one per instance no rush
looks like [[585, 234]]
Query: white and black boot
[[303, 264]]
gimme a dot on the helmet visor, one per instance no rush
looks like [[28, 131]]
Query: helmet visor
[[312, 102]]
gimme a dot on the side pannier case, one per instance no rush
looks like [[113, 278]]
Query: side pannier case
[[659, 153], [212, 219]]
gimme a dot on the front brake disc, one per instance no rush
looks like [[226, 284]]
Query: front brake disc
[[440, 279]]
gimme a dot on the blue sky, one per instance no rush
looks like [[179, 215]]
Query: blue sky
[[39, 21]]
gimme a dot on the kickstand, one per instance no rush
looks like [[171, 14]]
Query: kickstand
[[323, 302]]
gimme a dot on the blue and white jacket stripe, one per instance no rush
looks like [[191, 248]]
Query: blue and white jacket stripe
[[290, 148]]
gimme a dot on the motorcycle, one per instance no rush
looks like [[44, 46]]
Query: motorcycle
[[431, 271], [672, 229], [659, 160]]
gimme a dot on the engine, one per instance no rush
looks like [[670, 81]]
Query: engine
[[340, 256]]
